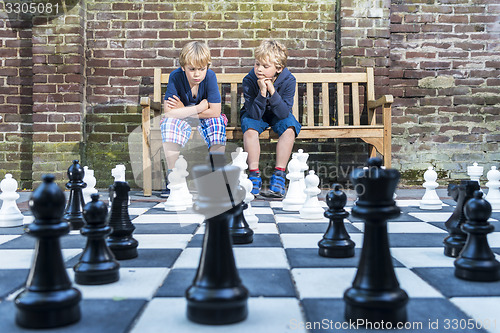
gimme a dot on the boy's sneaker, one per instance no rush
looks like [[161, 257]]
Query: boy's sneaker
[[256, 181], [277, 185]]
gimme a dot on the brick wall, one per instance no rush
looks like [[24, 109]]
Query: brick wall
[[444, 73]]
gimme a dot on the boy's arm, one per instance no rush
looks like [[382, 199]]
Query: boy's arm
[[184, 111], [255, 103], [213, 110], [281, 105]]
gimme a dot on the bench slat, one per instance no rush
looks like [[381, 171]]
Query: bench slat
[[325, 99], [310, 104], [295, 107], [355, 103], [330, 77], [340, 104], [370, 92], [234, 99], [157, 87]]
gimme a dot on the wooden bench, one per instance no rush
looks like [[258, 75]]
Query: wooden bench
[[357, 118]]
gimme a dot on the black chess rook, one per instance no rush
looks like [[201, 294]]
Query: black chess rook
[[73, 213], [476, 261], [48, 300], [97, 264], [120, 241], [375, 294], [461, 193], [336, 242], [217, 295]]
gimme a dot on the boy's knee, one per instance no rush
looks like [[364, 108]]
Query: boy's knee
[[251, 133]]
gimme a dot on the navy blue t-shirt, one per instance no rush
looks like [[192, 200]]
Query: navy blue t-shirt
[[178, 85]]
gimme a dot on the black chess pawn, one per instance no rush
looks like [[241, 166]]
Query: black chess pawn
[[217, 295], [461, 193], [73, 213], [97, 264], [120, 241], [336, 242], [476, 261], [49, 300], [241, 233], [375, 294]]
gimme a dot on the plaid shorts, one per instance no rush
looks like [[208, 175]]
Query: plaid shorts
[[212, 130]]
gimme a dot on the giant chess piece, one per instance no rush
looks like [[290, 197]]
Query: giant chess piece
[[97, 264], [217, 295], [475, 172], [250, 216], [303, 167], [48, 300], [73, 213], [294, 198], [90, 180], [240, 231], [180, 198], [120, 241], [461, 193], [375, 295], [430, 200], [10, 215], [312, 209], [476, 261], [118, 173], [336, 242], [493, 185]]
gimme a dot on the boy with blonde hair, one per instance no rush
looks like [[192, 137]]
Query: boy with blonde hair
[[192, 98], [269, 89]]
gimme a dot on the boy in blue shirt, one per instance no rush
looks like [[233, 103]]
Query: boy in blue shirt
[[192, 98], [269, 89]]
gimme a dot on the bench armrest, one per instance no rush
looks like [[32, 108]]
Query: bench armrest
[[386, 99]]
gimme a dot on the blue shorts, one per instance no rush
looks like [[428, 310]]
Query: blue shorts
[[279, 126]]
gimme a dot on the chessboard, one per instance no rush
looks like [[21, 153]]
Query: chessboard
[[292, 288]]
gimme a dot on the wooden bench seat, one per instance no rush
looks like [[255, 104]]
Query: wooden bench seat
[[357, 118]]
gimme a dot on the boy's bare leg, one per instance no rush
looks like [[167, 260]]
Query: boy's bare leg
[[172, 152], [251, 145], [218, 148], [284, 147]]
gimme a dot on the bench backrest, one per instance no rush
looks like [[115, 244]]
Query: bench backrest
[[312, 105]]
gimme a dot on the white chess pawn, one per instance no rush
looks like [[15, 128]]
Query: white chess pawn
[[303, 167], [493, 184], [239, 158], [294, 198], [250, 216], [10, 215], [90, 180], [475, 172], [180, 198], [312, 209], [430, 200]]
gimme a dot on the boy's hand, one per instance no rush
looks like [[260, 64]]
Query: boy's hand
[[270, 86], [262, 86], [202, 106], [174, 102]]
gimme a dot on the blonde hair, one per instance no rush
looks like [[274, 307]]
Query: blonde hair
[[196, 54], [272, 50]]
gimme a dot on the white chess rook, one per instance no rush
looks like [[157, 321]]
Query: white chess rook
[[295, 196], [493, 184], [180, 198], [312, 210], [430, 200], [10, 215]]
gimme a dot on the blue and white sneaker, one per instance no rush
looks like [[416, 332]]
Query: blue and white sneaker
[[256, 181], [277, 185]]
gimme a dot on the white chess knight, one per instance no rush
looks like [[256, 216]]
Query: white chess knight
[[90, 180], [180, 198], [475, 172], [312, 208], [239, 158], [295, 196], [430, 200], [250, 216], [303, 167], [493, 184], [10, 215]]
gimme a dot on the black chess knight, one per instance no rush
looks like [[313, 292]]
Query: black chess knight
[[48, 300], [217, 295], [375, 294]]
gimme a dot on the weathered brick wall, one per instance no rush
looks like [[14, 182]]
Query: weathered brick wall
[[444, 73]]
